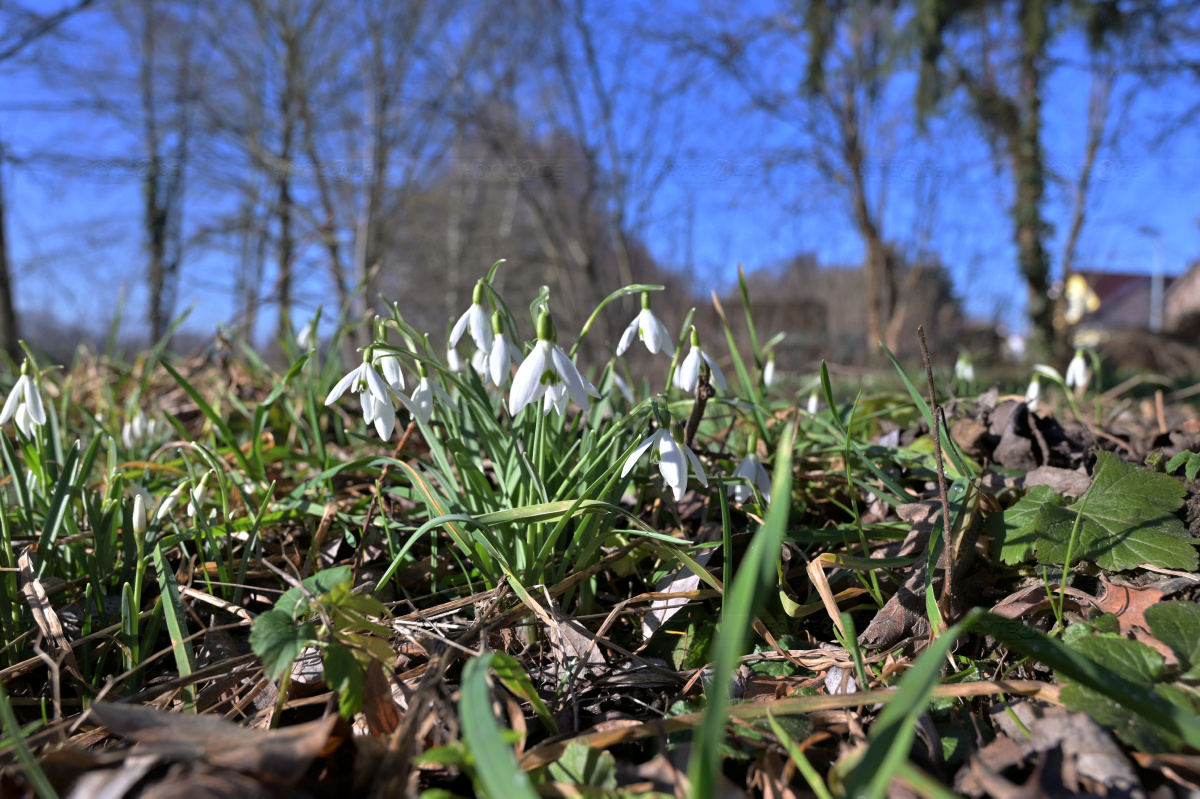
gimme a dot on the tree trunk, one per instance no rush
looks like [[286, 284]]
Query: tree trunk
[[9, 334], [1029, 175]]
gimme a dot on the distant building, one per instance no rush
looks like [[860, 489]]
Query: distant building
[[1101, 302], [1181, 305]]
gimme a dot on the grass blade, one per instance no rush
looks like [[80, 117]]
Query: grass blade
[[502, 778], [755, 577]]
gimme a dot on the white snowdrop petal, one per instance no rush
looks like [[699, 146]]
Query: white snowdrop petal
[[385, 418], [375, 384], [628, 336], [392, 373], [769, 373], [460, 327], [528, 379], [14, 399], [23, 422], [343, 384], [570, 375], [672, 464], [718, 376], [634, 456], [696, 465], [689, 371], [481, 327]]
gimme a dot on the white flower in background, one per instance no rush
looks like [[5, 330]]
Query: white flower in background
[[673, 461], [504, 354], [688, 373], [623, 387], [454, 361], [198, 496], [476, 320], [307, 336], [769, 371], [479, 362], [964, 369], [421, 404], [1033, 393], [545, 367], [24, 403], [752, 469], [393, 375], [1077, 371], [814, 403], [138, 430], [649, 329], [169, 504], [139, 513]]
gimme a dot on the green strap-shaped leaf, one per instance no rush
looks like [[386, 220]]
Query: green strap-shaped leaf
[[495, 762]]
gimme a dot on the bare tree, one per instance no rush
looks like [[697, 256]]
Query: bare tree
[[20, 28], [822, 74]]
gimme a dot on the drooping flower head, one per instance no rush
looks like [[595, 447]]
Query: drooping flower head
[[1033, 393], [24, 403], [1077, 371], [814, 403], [421, 404], [504, 353], [647, 327], [374, 393], [964, 368], [476, 320], [673, 459], [688, 373], [545, 368], [137, 430], [752, 470], [769, 370]]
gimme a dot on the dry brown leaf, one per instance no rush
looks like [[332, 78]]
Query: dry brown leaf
[[1128, 603], [278, 756], [379, 705]]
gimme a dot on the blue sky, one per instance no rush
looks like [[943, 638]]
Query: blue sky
[[74, 215]]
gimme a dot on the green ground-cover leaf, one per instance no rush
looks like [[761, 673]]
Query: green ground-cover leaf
[[1177, 624], [1127, 519], [278, 640], [1140, 664]]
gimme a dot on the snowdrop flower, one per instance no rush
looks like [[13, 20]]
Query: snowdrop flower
[[673, 459], [376, 395], [171, 501], [421, 404], [475, 319], [502, 355], [649, 329], [1033, 392], [24, 403], [814, 403], [964, 369], [307, 335], [769, 371], [198, 495], [752, 469], [137, 430], [688, 373], [139, 514], [1077, 372], [546, 367]]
